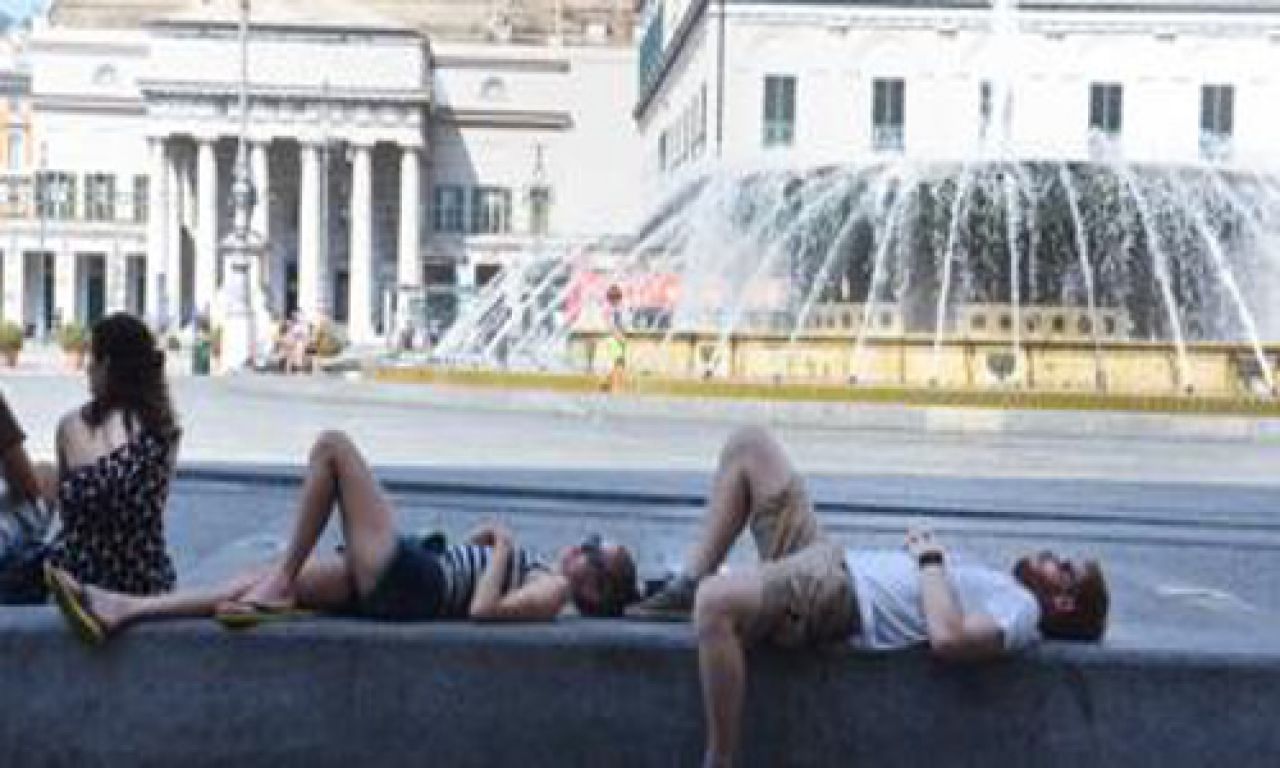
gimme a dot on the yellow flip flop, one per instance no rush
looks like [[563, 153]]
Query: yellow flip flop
[[82, 621], [250, 615]]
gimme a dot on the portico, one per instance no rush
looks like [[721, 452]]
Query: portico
[[337, 140]]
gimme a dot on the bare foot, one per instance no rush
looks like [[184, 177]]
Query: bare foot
[[109, 609], [271, 591]]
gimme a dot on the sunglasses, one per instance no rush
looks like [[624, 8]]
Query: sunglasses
[[593, 548]]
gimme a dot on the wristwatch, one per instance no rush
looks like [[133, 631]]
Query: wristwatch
[[932, 557]]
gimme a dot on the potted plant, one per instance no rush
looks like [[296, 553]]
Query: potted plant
[[73, 338], [10, 343], [327, 341]]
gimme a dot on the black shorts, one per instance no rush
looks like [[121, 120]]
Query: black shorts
[[411, 587]]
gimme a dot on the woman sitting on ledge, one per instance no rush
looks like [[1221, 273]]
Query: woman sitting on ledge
[[380, 575], [116, 455]]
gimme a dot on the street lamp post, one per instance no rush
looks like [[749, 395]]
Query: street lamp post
[[241, 245]]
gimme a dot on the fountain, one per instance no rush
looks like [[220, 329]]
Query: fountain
[[1000, 270]]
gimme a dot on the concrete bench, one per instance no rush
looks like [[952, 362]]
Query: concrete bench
[[337, 692]]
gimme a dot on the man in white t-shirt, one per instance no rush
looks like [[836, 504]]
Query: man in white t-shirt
[[810, 591]]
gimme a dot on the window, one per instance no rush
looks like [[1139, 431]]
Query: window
[[1105, 100], [141, 190], [779, 110], [1059, 324], [1217, 118], [539, 210], [662, 151], [490, 211], [448, 208], [100, 197], [56, 195], [700, 123], [887, 115], [17, 148], [105, 75], [493, 89], [984, 108], [979, 322]]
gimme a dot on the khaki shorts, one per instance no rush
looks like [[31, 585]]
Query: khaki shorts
[[808, 593]]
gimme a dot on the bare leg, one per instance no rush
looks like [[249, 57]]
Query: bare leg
[[727, 606], [321, 585], [338, 473], [753, 466]]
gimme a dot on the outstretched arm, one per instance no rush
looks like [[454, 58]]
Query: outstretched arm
[[953, 634]]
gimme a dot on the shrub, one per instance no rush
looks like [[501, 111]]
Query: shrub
[[73, 337], [327, 341], [10, 337]]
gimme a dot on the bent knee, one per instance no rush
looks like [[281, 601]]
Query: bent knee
[[747, 442], [331, 442], [725, 604]]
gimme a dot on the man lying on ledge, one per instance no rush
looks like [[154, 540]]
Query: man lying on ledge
[[810, 591]]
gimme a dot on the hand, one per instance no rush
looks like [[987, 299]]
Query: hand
[[490, 535], [920, 541]]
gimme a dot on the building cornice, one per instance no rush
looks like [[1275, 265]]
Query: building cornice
[[88, 48], [549, 120], [490, 63], [204, 89], [80, 104], [217, 28], [1203, 7]]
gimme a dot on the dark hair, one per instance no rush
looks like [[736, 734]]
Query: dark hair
[[611, 584], [1086, 619], [135, 382]]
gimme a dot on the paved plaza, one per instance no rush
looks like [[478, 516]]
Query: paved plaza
[[1181, 511]]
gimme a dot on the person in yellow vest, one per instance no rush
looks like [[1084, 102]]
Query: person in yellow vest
[[616, 344]]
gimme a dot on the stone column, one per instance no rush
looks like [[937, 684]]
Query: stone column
[[65, 282], [116, 266], [409, 263], [360, 255], [15, 282], [206, 225], [172, 224], [186, 177], [159, 304], [259, 272], [309, 230]]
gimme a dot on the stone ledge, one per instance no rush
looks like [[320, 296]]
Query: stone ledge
[[340, 692]]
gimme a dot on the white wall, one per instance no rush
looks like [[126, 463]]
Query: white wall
[[590, 165], [85, 87], [344, 62], [835, 52]]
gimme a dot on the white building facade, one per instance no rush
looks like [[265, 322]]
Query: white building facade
[[835, 81], [360, 125]]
